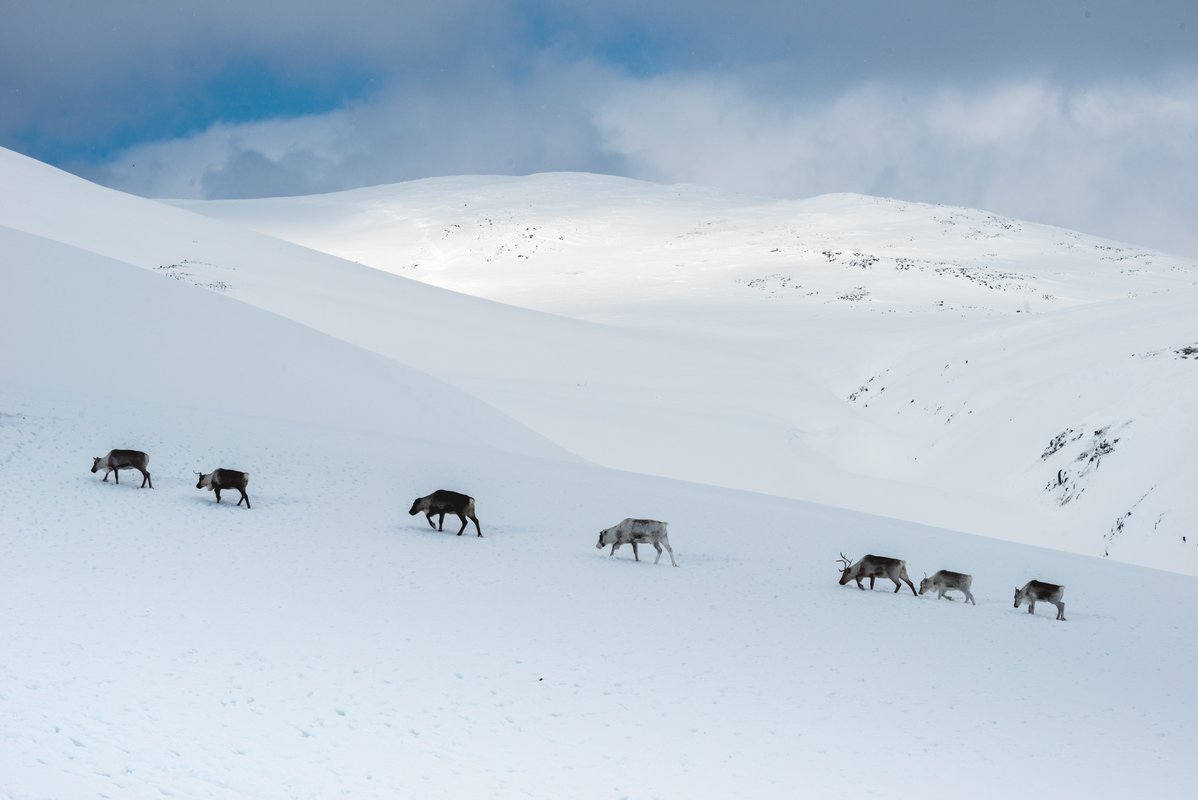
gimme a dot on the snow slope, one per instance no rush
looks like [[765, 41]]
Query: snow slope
[[654, 402], [975, 370], [171, 346], [327, 644]]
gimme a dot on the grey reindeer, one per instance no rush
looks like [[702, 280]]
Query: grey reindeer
[[117, 460], [874, 567], [637, 531], [945, 581], [1039, 590]]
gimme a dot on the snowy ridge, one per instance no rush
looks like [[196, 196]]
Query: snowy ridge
[[588, 246]]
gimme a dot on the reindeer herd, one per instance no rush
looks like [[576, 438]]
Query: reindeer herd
[[213, 481], [874, 567], [630, 531]]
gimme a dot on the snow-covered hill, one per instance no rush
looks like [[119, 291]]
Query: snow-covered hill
[[975, 371], [609, 249], [328, 644]]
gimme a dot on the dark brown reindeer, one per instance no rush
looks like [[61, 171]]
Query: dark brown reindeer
[[222, 478], [117, 460], [944, 581], [874, 567], [444, 502], [1039, 590]]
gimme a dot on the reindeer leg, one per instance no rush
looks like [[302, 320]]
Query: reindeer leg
[[658, 546], [1031, 606], [477, 528], [872, 578], [429, 517], [462, 517], [217, 494], [897, 586], [441, 522], [908, 580], [671, 551], [1061, 611], [635, 554], [969, 596], [146, 479], [612, 554], [116, 474]]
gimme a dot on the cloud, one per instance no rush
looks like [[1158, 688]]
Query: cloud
[[80, 81], [493, 126], [1075, 114], [1116, 159]]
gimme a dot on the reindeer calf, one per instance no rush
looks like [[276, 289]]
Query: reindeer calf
[[944, 581]]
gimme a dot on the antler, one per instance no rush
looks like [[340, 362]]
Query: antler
[[845, 559]]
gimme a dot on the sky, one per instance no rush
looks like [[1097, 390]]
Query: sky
[[1080, 114]]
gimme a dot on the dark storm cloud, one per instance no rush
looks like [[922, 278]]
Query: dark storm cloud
[[86, 78]]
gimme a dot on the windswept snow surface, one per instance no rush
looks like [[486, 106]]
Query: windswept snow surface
[[325, 643]]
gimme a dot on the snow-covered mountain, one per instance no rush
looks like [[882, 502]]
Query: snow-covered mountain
[[328, 644], [979, 373]]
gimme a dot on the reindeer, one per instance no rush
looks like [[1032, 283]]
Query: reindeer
[[1039, 590], [117, 460], [873, 567], [221, 478], [444, 502], [944, 581], [637, 531]]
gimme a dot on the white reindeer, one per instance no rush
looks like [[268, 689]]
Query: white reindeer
[[944, 581]]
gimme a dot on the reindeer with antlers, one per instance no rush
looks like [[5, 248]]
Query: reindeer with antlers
[[874, 567]]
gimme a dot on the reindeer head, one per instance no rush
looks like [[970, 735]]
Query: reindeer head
[[602, 540], [96, 465], [845, 577], [925, 584], [1019, 597], [203, 480]]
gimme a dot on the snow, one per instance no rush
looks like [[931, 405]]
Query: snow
[[929, 320], [325, 643]]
